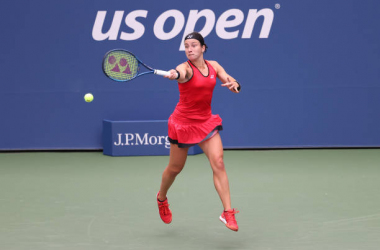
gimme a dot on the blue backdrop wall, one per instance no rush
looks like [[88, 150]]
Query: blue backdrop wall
[[309, 70]]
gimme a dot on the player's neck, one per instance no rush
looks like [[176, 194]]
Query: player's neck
[[199, 63]]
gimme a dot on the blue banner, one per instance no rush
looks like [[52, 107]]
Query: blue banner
[[309, 70]]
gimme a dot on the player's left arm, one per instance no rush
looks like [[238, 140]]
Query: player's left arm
[[227, 80]]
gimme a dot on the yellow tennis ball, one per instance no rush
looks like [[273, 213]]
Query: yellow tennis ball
[[88, 97]]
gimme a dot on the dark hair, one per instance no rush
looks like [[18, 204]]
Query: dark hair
[[197, 36]]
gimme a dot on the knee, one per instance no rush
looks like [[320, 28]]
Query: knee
[[174, 170], [217, 164]]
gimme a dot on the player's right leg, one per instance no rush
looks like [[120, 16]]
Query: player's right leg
[[177, 161]]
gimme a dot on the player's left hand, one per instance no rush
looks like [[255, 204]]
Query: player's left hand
[[233, 86]]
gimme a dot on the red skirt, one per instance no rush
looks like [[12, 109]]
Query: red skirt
[[187, 134]]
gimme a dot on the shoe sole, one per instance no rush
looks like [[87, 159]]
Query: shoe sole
[[225, 223], [167, 222]]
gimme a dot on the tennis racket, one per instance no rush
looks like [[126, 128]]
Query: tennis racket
[[121, 65]]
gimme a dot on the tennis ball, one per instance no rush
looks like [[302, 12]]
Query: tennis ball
[[88, 97]]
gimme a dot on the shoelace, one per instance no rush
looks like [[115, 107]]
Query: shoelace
[[164, 208], [230, 215]]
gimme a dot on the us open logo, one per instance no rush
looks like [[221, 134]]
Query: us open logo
[[230, 19]]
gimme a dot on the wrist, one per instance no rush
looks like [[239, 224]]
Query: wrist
[[239, 87]]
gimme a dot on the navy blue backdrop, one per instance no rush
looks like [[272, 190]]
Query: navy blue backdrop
[[309, 70]]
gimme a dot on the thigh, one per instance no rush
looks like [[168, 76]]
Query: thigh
[[178, 156], [213, 147]]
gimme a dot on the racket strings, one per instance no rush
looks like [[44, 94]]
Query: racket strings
[[120, 65]]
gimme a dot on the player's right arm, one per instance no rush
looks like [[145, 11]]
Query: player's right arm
[[183, 71]]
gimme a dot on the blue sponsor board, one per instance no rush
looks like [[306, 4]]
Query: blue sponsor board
[[309, 70], [129, 138]]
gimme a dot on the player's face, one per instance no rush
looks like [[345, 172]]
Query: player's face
[[193, 49]]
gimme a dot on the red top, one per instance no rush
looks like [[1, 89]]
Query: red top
[[195, 96]]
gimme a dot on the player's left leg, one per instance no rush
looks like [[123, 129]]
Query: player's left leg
[[213, 148]]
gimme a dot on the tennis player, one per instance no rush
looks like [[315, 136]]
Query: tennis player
[[192, 123]]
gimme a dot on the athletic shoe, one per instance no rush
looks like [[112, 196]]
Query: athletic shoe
[[228, 218], [163, 209]]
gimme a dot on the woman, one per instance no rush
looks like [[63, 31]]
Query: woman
[[193, 123]]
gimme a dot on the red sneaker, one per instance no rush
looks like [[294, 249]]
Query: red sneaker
[[228, 218], [163, 208]]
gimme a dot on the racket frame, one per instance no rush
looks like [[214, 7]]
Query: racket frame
[[151, 70]]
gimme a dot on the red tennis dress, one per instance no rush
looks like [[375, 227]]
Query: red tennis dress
[[192, 121]]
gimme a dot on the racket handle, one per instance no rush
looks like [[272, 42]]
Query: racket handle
[[161, 72]]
